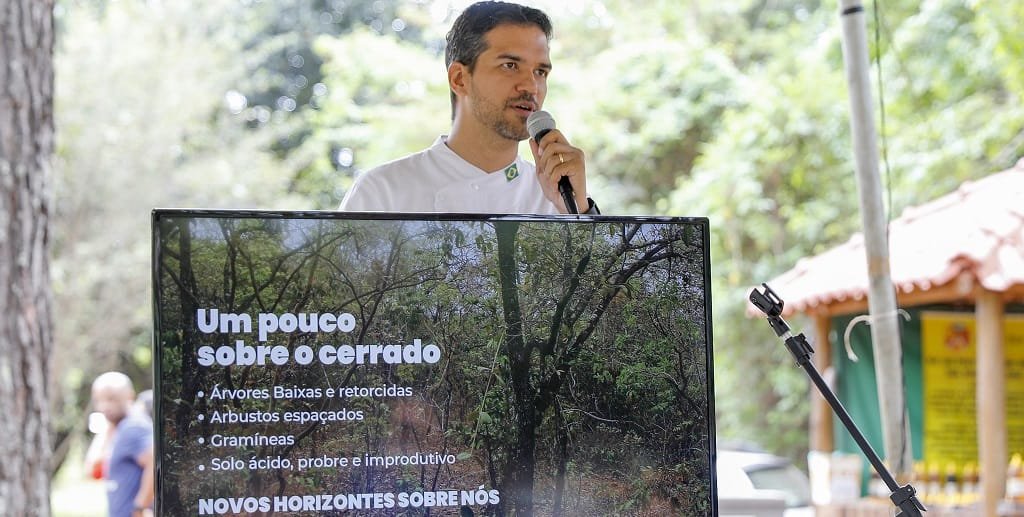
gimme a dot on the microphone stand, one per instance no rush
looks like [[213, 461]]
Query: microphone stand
[[903, 497]]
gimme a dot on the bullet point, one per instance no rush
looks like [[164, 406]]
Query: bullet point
[[200, 394], [200, 418], [201, 440], [202, 467]]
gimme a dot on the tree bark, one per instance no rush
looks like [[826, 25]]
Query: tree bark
[[26, 148], [521, 456]]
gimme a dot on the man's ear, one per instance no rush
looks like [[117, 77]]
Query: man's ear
[[458, 78]]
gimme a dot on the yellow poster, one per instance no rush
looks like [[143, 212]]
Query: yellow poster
[[1014, 342], [948, 357]]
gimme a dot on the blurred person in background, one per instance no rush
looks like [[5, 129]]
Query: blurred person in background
[[144, 402], [122, 452]]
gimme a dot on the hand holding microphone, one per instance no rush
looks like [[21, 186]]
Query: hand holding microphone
[[561, 168]]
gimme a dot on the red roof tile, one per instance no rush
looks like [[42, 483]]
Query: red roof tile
[[975, 234]]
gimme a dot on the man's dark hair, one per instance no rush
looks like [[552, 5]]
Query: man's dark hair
[[465, 40]]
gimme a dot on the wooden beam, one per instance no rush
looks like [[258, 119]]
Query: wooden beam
[[991, 397], [952, 292], [822, 438], [1014, 294]]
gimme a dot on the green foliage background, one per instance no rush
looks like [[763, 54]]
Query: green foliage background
[[732, 110]]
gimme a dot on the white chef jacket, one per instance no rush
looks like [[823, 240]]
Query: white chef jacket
[[436, 180]]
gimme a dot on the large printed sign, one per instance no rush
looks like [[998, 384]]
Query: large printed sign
[[949, 357], [328, 364]]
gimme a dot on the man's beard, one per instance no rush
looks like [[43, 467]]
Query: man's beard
[[494, 117]]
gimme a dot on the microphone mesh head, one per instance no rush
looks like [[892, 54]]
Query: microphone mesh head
[[539, 121]]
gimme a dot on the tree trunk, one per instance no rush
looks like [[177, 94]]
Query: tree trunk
[[558, 501], [26, 147], [519, 481]]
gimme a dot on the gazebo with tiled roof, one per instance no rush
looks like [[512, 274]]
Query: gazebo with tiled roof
[[966, 247]]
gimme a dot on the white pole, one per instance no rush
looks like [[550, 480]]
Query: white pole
[[881, 294]]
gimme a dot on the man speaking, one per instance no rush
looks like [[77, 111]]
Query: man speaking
[[498, 62]]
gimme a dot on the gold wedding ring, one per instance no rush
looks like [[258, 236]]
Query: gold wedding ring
[[560, 159]]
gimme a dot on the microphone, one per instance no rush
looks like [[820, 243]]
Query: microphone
[[538, 124]]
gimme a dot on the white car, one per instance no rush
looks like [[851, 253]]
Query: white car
[[758, 484]]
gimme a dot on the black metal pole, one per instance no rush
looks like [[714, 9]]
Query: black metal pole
[[904, 497]]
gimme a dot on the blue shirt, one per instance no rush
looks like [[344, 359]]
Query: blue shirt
[[134, 435]]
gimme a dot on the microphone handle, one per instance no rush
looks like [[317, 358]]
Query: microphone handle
[[564, 186], [565, 189]]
